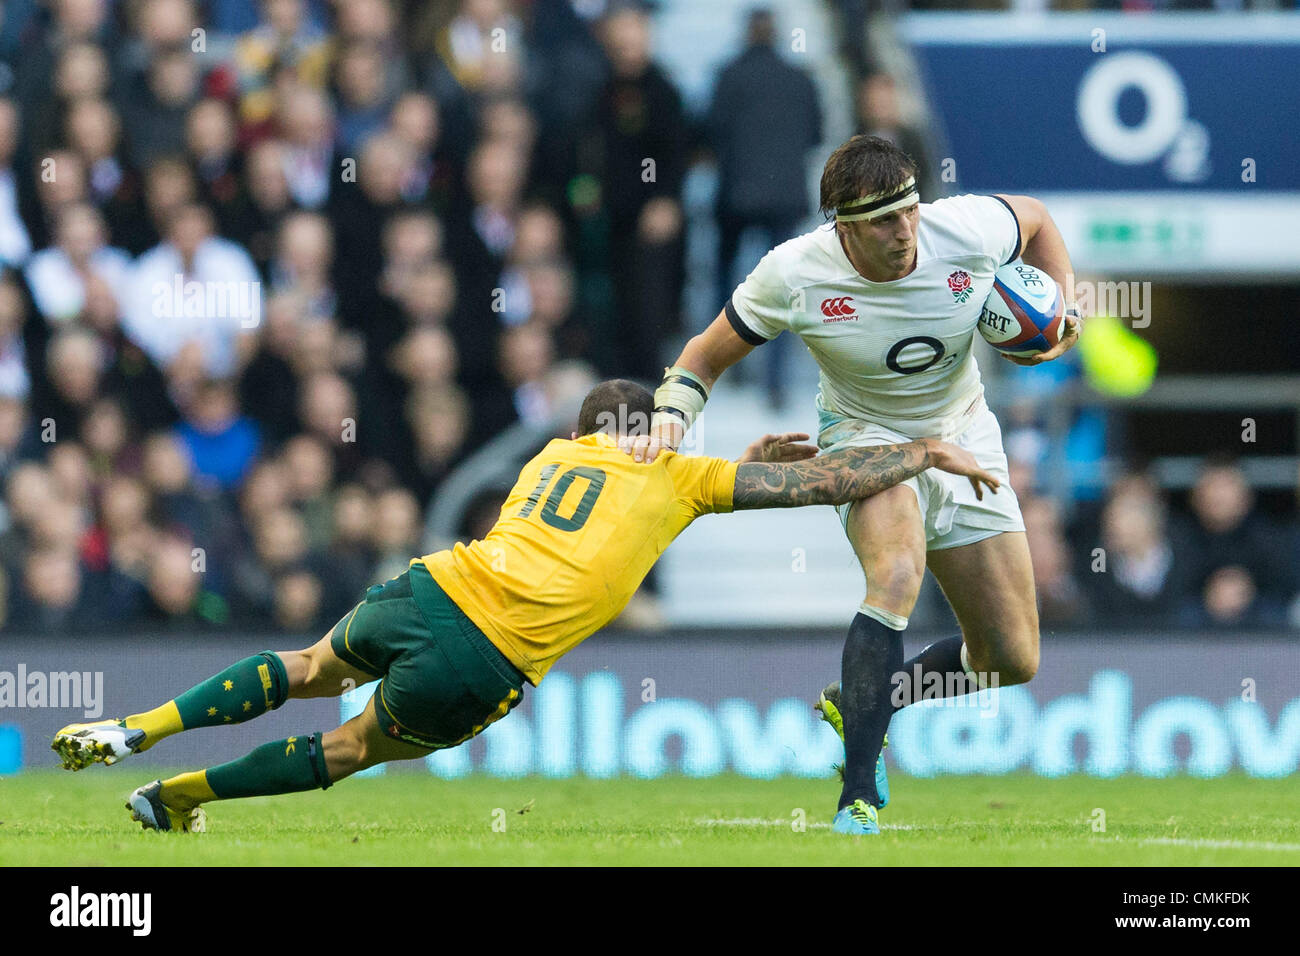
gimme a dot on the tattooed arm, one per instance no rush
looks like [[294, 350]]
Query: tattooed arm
[[843, 476]]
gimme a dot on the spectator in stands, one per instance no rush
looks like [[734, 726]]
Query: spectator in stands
[[155, 110], [285, 41], [303, 263], [762, 176], [1061, 601], [433, 179], [527, 354], [350, 554], [211, 144], [81, 73], [439, 420], [268, 386], [194, 288], [279, 546], [1232, 553], [360, 212], [309, 468], [879, 113], [176, 598], [298, 603], [477, 51], [94, 131], [106, 434], [15, 380], [413, 240], [169, 184], [266, 199], [638, 117], [72, 23], [48, 599], [1231, 599], [60, 181], [328, 410], [305, 119], [15, 240], [75, 369], [181, 506], [13, 422], [220, 442], [396, 533], [1133, 581], [58, 276], [364, 100]]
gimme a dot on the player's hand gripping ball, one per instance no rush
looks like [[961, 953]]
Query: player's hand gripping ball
[[1024, 312]]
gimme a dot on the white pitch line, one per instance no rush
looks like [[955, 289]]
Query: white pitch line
[[1145, 841], [761, 822], [1220, 844]]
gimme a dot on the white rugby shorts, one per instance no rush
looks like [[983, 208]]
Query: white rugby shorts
[[952, 514]]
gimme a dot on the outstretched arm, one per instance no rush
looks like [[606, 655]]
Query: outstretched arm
[[843, 476]]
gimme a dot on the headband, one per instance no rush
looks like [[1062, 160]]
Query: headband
[[878, 204]]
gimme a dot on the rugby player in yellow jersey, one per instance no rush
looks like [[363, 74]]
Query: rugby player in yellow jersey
[[454, 639]]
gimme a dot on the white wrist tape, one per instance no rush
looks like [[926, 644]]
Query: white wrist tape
[[680, 398]]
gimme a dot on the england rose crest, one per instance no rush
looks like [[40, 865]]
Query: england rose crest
[[959, 283]]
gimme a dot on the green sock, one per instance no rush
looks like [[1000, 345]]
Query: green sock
[[241, 692], [282, 766]]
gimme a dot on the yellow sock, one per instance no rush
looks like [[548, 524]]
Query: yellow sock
[[187, 790], [157, 723]]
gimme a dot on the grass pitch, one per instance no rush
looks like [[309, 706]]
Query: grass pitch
[[57, 818]]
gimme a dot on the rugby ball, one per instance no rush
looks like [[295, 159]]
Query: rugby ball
[[1023, 314]]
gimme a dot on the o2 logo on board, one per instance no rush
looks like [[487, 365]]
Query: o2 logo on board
[[1165, 128]]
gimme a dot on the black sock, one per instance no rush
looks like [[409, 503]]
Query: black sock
[[933, 673], [873, 653]]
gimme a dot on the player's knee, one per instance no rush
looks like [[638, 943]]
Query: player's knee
[[1020, 666], [311, 674], [1016, 660], [895, 579]]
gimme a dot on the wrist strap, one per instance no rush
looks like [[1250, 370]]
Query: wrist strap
[[680, 398]]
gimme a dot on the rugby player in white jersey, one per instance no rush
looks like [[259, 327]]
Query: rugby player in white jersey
[[886, 298]]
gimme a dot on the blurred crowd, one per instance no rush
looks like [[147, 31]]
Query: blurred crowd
[[1141, 559], [269, 271]]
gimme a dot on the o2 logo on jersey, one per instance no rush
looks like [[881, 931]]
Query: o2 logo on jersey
[[923, 353], [838, 309]]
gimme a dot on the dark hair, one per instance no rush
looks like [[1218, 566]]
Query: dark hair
[[861, 166], [618, 402]]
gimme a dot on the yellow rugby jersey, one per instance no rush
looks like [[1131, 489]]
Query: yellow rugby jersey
[[579, 532]]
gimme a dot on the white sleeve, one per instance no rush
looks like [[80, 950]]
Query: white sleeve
[[998, 228], [759, 309]]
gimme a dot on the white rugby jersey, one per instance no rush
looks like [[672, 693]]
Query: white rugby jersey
[[895, 353]]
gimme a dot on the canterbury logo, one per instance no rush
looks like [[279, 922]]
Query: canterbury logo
[[838, 309]]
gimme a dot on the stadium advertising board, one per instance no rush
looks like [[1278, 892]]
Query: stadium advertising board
[[1161, 144], [702, 703]]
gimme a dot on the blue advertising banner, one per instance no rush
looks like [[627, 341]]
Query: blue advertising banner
[[707, 702], [1118, 103]]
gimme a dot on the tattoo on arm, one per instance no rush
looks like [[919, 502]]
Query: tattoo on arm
[[832, 479]]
